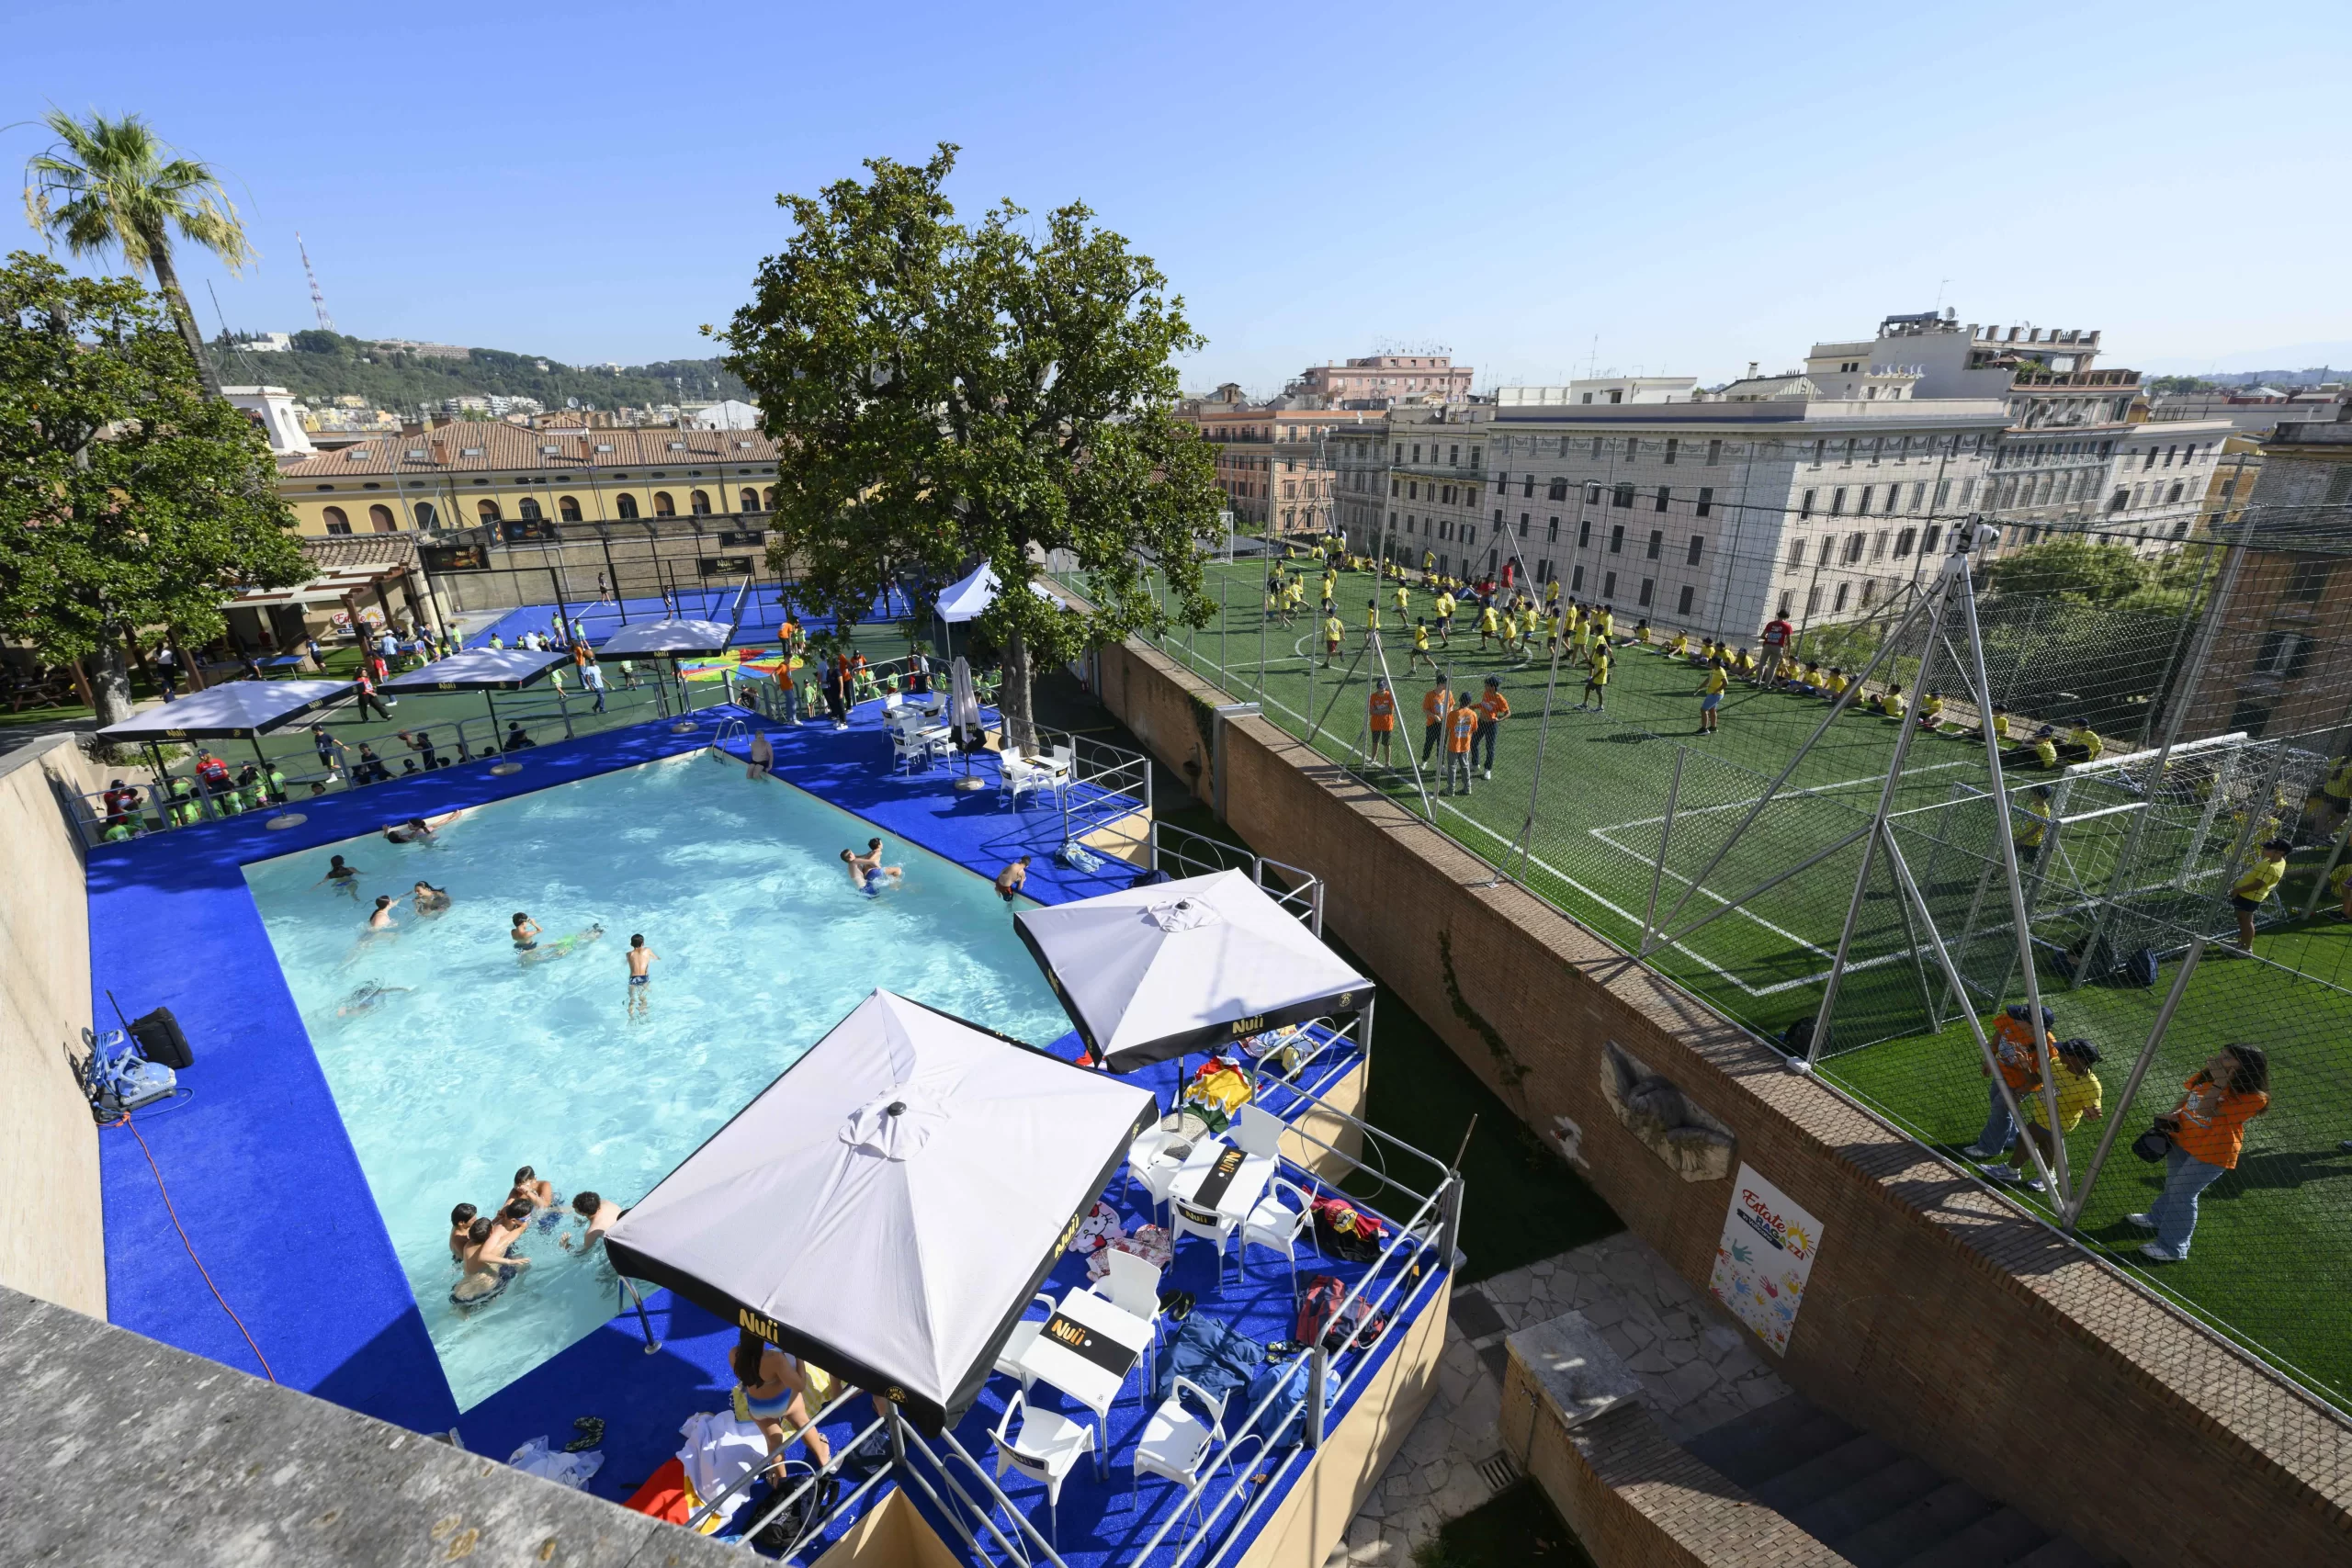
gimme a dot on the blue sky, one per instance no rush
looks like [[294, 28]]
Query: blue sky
[[1662, 189]]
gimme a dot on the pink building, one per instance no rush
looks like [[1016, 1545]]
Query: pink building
[[1389, 378]]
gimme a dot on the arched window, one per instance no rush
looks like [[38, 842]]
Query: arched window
[[568, 508], [426, 517], [767, 498], [380, 517], [663, 505], [336, 521], [527, 509], [628, 508], [750, 499], [700, 501], [487, 509]]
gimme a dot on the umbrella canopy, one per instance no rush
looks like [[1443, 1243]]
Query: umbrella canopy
[[237, 710], [477, 670], [1149, 973], [667, 636], [888, 1205], [965, 600]]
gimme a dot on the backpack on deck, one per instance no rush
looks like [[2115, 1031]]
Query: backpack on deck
[[1347, 1233], [1319, 1322]]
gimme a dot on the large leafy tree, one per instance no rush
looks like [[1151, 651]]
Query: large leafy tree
[[943, 393], [114, 184], [130, 502]]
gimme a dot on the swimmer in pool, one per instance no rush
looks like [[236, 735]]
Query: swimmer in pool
[[367, 998], [488, 1270], [420, 830], [529, 1189], [381, 919], [461, 1219], [345, 877], [532, 952], [859, 865], [428, 899], [601, 1215], [1009, 881], [763, 755], [640, 958], [525, 934]]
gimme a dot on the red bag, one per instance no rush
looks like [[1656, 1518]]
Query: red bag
[[664, 1495], [1347, 1233], [1317, 1308]]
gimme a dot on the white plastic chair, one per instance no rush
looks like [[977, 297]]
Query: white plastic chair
[[907, 748], [1013, 775], [1275, 1226], [1025, 1334], [1259, 1132], [1176, 1443], [1184, 1220], [1154, 1159], [1047, 1448], [1065, 769], [1132, 1285]]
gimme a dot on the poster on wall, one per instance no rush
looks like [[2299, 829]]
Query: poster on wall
[[1764, 1258]]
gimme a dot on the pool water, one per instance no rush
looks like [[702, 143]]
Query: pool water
[[468, 1064]]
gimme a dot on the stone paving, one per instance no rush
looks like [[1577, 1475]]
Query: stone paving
[[1697, 1369]]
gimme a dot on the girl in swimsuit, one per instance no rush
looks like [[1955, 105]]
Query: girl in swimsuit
[[769, 1396]]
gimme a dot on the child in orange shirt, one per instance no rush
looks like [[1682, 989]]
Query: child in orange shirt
[[1383, 719], [2208, 1131]]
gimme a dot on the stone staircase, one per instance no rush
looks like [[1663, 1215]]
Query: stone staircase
[[1869, 1501]]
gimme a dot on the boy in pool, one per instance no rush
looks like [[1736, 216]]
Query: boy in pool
[[525, 934], [601, 1215], [639, 958], [1009, 881], [530, 1192], [763, 755], [461, 1219], [488, 1268], [345, 877], [381, 920], [859, 865], [366, 998]]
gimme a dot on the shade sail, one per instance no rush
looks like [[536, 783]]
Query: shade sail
[[237, 709], [1149, 973], [889, 1204], [967, 601], [667, 636], [477, 670]]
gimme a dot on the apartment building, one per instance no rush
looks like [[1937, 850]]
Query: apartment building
[[1377, 380], [1275, 459], [1711, 515]]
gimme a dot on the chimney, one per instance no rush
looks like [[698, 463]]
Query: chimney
[[1751, 369], [440, 450]]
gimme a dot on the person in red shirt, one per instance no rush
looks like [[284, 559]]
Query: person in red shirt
[[1383, 719], [2207, 1131], [1775, 641]]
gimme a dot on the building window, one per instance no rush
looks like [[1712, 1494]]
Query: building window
[[1805, 507], [567, 507], [1576, 579], [1584, 532], [1617, 540], [1838, 501], [1788, 601], [1862, 502], [1840, 605], [1633, 447], [1552, 533], [527, 509], [1621, 495], [336, 521], [625, 508], [426, 517], [663, 505], [487, 510], [1650, 590], [1796, 553], [1523, 524], [1714, 453], [1556, 490], [1665, 494], [2307, 584], [751, 501], [1870, 591], [1878, 545], [1812, 600], [1698, 544], [1592, 495], [2173, 494], [1903, 541], [1393, 488], [1854, 546], [1608, 586], [1658, 543], [1596, 448], [1706, 499], [379, 518], [1671, 442]]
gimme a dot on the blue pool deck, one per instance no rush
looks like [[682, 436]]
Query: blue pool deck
[[264, 1183]]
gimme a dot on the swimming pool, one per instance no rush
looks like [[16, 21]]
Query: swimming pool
[[464, 1063]]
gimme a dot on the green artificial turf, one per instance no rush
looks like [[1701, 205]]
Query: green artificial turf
[[2272, 1261]]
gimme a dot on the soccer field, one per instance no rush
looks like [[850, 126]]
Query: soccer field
[[2271, 1263]]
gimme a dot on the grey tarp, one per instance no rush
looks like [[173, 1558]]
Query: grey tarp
[[889, 1204], [477, 670]]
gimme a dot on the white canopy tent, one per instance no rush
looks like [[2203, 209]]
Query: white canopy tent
[[233, 710], [1152, 972], [889, 1204], [676, 637], [969, 599]]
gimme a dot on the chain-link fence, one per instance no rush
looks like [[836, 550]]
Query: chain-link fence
[[1727, 842]]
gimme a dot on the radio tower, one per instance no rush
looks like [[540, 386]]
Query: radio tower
[[318, 296]]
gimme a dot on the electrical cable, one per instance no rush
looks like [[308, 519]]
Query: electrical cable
[[165, 1191]]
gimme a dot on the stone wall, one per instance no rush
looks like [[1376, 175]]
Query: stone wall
[[1937, 1314], [51, 1226]]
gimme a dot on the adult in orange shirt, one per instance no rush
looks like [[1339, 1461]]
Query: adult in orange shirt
[[2020, 1058], [1493, 708], [1436, 703], [1461, 728], [1383, 718], [2206, 1128]]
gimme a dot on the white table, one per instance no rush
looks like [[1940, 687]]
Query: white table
[[1241, 1194], [1050, 1361], [1034, 773]]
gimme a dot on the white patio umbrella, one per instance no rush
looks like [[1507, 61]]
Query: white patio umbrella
[[964, 716]]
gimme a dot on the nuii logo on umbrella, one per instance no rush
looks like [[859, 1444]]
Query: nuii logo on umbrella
[[1789, 1235]]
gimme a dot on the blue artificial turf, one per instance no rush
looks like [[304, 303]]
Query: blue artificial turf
[[762, 616], [265, 1181]]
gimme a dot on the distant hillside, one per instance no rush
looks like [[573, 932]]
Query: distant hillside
[[325, 366]]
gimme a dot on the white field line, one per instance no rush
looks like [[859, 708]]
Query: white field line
[[1795, 794], [1634, 921]]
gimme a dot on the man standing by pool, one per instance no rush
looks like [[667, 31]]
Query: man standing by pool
[[763, 755], [641, 960]]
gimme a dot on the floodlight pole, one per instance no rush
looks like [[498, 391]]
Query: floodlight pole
[[1955, 567]]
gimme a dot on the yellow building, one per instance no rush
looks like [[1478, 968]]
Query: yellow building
[[470, 474]]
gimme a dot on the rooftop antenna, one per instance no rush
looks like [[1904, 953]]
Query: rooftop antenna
[[318, 296]]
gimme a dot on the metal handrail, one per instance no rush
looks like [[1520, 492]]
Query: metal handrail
[[1304, 900]]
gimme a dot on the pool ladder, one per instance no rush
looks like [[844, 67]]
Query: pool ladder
[[728, 728]]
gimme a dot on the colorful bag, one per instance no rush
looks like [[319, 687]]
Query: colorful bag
[[1151, 1243], [1345, 1232], [1321, 1323]]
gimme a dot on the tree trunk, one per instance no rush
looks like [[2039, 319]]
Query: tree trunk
[[168, 282], [82, 683], [1012, 698], [111, 685]]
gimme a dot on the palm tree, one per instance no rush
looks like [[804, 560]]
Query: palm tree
[[113, 182]]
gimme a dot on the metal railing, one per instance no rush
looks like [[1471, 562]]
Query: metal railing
[[1181, 851]]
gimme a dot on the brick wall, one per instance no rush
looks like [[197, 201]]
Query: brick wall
[[1937, 1315]]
